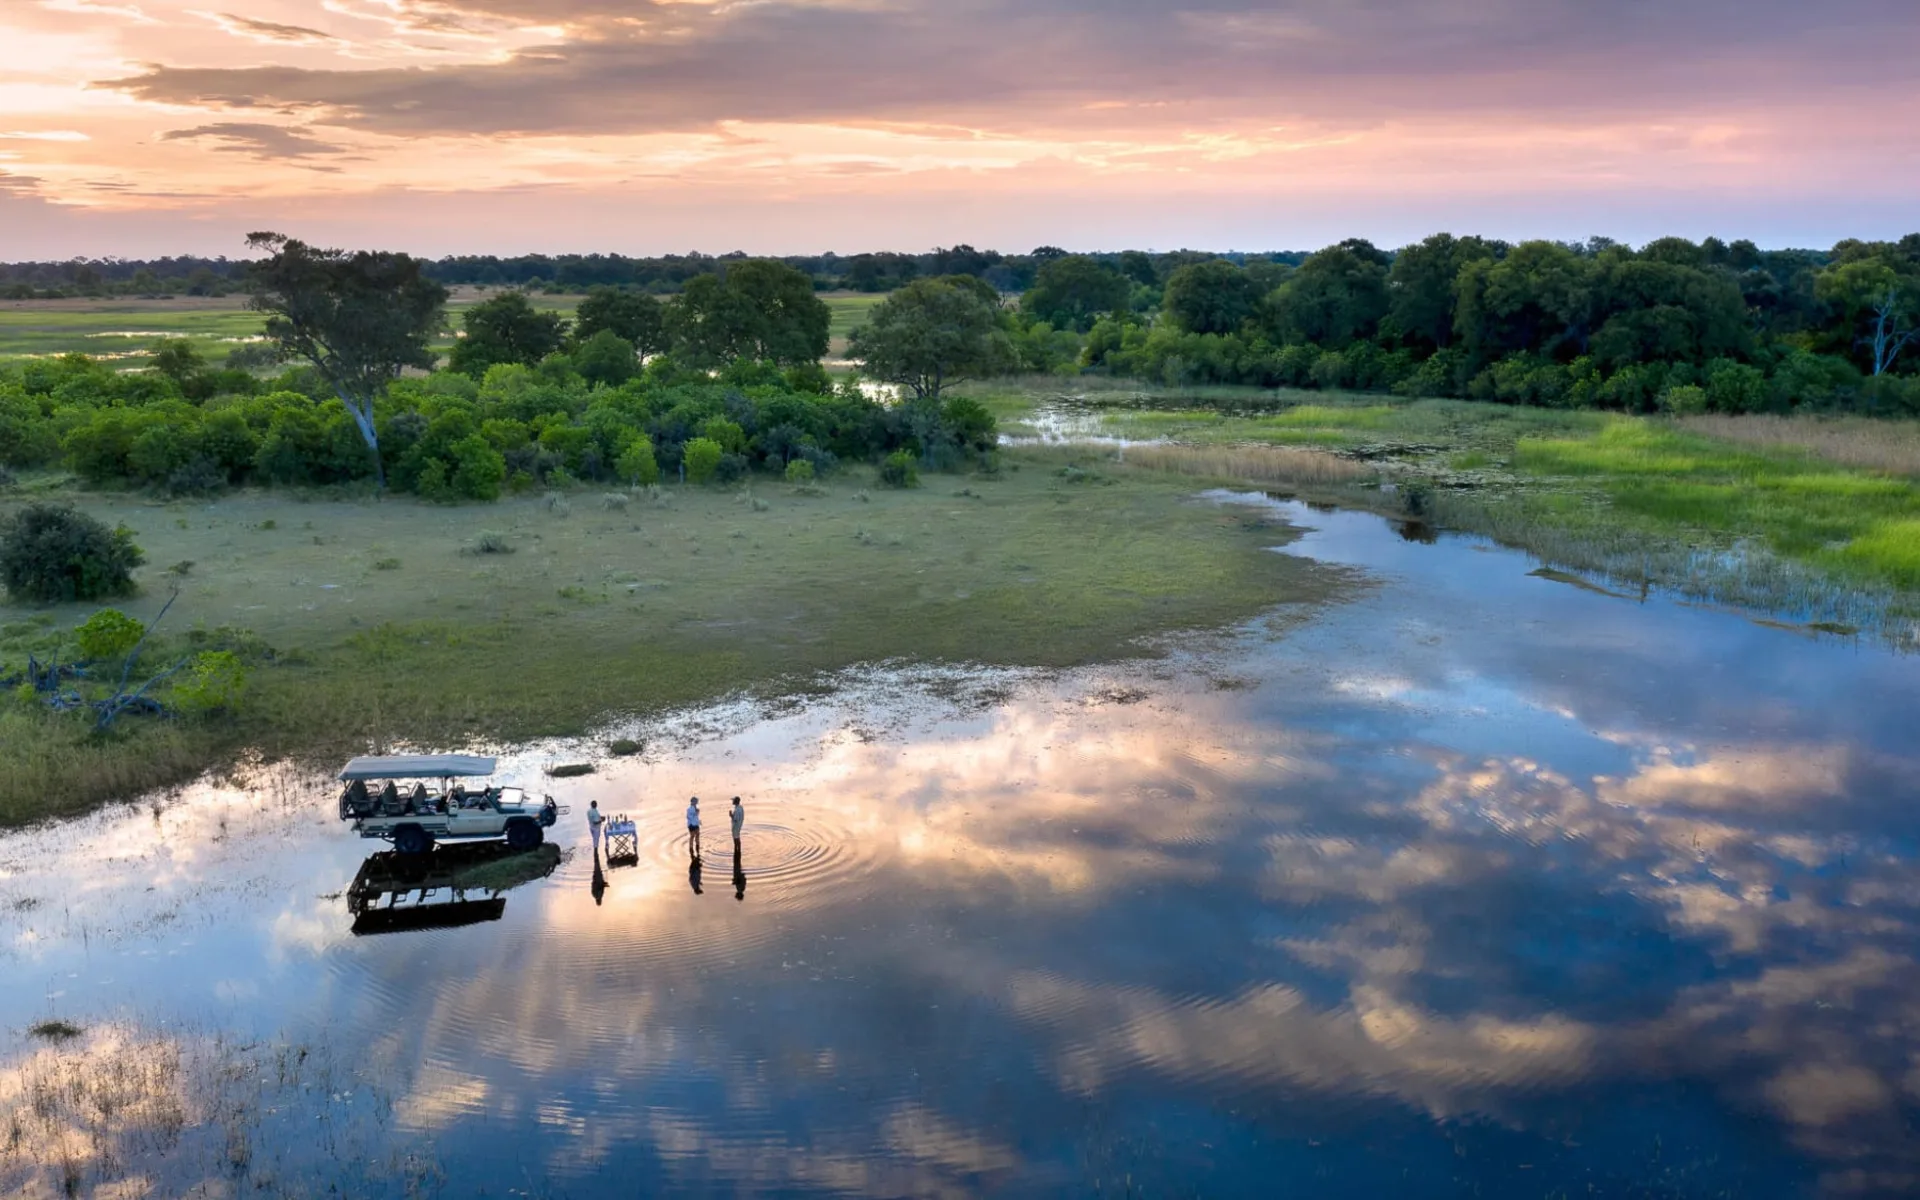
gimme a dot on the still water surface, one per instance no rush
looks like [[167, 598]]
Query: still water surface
[[1481, 884]]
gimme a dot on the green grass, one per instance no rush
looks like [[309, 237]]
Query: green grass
[[1801, 508], [1752, 517], [121, 330], [849, 310], [665, 606], [1890, 548]]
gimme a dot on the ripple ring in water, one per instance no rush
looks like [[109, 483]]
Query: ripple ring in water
[[807, 857]]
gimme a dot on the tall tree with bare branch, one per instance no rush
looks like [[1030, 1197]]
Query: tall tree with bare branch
[[358, 316]]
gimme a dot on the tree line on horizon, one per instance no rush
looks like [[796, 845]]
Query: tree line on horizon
[[188, 275]]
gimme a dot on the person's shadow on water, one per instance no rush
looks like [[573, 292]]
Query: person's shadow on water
[[599, 879], [739, 873], [693, 875]]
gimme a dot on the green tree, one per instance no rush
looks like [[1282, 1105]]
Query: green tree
[[1211, 297], [1659, 310], [1335, 298], [1420, 287], [605, 359], [761, 310], [1137, 266], [1532, 300], [177, 359], [1072, 291], [1877, 306], [932, 334], [359, 317], [639, 319], [506, 329]]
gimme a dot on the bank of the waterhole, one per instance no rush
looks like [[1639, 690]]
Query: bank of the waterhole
[[388, 629]]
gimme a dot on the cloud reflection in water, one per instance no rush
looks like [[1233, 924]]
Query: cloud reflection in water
[[1487, 883]]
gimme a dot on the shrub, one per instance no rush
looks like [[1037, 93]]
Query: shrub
[[479, 470], [900, 470], [215, 682], [50, 553], [108, 633], [732, 469], [1734, 387], [487, 543], [1684, 401], [637, 464], [799, 471], [728, 434], [624, 747], [199, 476], [614, 502], [702, 458]]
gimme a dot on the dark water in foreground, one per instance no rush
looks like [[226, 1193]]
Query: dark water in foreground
[[1481, 885]]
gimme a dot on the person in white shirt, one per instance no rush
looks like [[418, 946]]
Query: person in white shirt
[[739, 816], [593, 823], [693, 827]]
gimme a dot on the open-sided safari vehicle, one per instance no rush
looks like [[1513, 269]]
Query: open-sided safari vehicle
[[414, 800]]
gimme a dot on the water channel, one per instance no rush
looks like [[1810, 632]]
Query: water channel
[[1482, 883]]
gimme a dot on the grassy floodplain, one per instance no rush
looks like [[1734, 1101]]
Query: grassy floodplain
[[1814, 517], [387, 628], [120, 330]]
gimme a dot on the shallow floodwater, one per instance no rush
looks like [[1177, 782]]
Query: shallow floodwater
[[1481, 884]]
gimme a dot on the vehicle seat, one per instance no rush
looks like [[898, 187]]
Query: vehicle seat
[[390, 799], [355, 799]]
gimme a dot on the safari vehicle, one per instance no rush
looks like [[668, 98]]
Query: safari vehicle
[[414, 800]]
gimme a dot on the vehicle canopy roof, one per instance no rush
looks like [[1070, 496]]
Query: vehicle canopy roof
[[417, 766]]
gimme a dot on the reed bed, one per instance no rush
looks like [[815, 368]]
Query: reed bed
[[1874, 445], [1744, 575], [140, 1111], [1280, 465]]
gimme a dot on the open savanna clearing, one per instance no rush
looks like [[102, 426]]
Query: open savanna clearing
[[388, 628]]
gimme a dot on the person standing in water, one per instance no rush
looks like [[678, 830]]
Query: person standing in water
[[739, 817], [593, 826], [693, 827]]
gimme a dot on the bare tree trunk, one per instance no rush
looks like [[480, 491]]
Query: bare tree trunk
[[363, 418], [1887, 345]]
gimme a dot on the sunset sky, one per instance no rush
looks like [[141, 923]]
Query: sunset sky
[[144, 127]]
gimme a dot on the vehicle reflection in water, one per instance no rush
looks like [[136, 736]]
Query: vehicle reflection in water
[[448, 887]]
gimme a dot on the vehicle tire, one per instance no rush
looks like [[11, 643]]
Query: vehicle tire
[[524, 835], [411, 839]]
